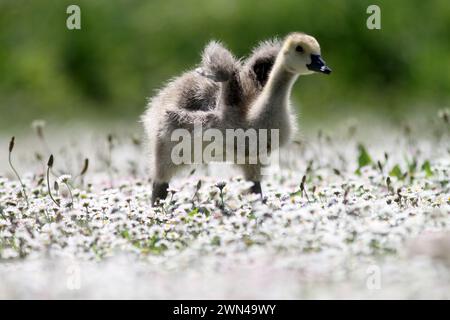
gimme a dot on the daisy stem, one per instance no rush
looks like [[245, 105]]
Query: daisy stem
[[16, 173], [70, 192], [48, 186]]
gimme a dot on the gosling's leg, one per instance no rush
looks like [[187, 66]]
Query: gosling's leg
[[256, 188], [163, 169], [252, 172], [160, 191]]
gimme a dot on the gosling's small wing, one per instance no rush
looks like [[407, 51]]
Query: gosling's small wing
[[220, 66], [262, 58], [218, 63]]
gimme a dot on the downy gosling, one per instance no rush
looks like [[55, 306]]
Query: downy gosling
[[227, 93]]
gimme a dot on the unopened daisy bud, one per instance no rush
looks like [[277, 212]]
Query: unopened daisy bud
[[11, 144], [336, 172], [302, 184], [50, 161], [380, 166], [85, 167]]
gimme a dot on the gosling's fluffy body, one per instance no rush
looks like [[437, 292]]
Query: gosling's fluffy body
[[217, 95], [226, 93]]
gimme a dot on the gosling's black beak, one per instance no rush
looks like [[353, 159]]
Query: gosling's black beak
[[317, 64]]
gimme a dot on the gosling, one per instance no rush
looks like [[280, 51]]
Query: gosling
[[227, 93]]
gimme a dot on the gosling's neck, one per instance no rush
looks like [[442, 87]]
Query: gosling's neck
[[273, 102], [279, 85]]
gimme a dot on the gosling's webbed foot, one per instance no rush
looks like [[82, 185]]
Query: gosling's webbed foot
[[160, 191], [256, 188]]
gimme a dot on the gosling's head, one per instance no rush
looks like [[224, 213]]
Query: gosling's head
[[301, 55]]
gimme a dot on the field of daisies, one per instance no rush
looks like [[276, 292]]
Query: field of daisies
[[354, 212]]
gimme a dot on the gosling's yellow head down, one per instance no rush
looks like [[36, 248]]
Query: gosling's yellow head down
[[301, 55]]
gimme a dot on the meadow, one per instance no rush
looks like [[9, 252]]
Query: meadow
[[351, 213]]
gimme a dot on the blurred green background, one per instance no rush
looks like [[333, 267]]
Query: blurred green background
[[126, 49]]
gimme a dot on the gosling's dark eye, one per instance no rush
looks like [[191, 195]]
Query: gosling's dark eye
[[299, 49]]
